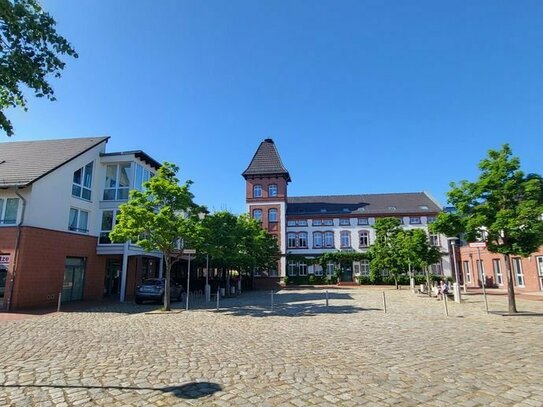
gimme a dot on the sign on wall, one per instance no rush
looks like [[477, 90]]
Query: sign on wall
[[4, 261]]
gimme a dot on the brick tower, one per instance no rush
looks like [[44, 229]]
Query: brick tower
[[266, 196]]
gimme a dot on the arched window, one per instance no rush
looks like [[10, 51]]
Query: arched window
[[272, 190], [345, 239], [257, 214], [328, 239], [257, 191], [364, 238], [317, 239], [272, 215]]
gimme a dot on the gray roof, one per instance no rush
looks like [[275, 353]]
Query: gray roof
[[266, 161], [369, 204], [23, 162]]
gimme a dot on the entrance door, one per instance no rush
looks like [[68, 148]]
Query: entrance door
[[4, 262], [346, 272], [540, 271], [74, 276], [112, 278]]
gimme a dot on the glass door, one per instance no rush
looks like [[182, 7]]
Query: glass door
[[74, 279], [4, 262]]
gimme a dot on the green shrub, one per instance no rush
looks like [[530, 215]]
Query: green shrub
[[364, 280], [286, 280]]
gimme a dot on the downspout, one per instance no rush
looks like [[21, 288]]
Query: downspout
[[16, 253]]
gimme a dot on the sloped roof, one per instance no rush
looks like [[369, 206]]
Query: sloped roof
[[23, 162], [266, 161], [382, 204]]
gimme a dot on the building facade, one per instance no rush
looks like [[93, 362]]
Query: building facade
[[58, 203], [308, 226], [478, 266]]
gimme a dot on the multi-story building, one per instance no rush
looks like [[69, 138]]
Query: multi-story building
[[527, 271], [58, 203], [308, 226]]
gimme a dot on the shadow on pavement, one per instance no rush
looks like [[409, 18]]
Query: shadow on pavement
[[192, 390]]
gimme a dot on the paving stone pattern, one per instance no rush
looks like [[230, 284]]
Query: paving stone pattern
[[348, 354]]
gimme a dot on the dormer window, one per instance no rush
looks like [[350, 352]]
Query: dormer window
[[257, 191], [392, 208], [272, 190], [345, 222], [82, 182]]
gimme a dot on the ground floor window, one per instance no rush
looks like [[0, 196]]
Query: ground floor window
[[517, 268], [302, 269], [330, 268], [292, 268], [436, 269], [365, 267], [497, 271], [465, 267], [272, 272], [74, 279], [356, 268], [318, 270]]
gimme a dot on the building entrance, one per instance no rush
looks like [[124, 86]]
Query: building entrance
[[4, 262], [74, 279], [112, 278]]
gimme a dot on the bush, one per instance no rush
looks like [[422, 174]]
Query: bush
[[286, 280], [363, 280]]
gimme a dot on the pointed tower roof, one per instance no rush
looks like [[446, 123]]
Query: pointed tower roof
[[266, 161]]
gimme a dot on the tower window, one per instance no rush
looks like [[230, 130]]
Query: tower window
[[272, 190], [257, 191]]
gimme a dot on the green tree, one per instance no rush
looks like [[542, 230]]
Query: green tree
[[503, 208], [386, 253], [30, 51], [159, 217]]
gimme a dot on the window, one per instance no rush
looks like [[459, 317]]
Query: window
[[256, 272], [365, 267], [82, 182], [345, 222], [364, 238], [330, 268], [302, 269], [356, 268], [480, 268], [345, 239], [363, 221], [329, 239], [142, 175], [401, 220], [291, 223], [430, 219], [424, 207], [108, 220], [328, 222], [391, 208], [540, 266], [465, 267], [272, 215], [302, 239], [257, 191], [257, 214], [317, 239], [517, 268], [414, 220], [8, 212], [317, 222], [272, 272], [117, 182], [318, 270], [497, 271], [78, 221], [272, 190], [292, 269], [436, 269], [291, 240], [434, 240], [301, 222]]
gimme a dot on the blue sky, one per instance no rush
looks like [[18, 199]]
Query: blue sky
[[359, 96]]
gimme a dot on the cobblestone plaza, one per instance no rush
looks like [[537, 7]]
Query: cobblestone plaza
[[303, 353]]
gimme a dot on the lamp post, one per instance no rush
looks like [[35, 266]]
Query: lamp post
[[207, 287], [456, 285]]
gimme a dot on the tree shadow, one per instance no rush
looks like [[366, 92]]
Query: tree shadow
[[518, 314], [293, 310], [191, 390]]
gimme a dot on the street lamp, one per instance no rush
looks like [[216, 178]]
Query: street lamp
[[456, 286]]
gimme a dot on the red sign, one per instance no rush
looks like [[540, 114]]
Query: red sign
[[477, 244]]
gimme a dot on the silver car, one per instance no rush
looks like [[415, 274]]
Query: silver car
[[153, 290]]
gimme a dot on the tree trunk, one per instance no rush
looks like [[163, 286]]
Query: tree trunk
[[395, 281], [510, 287], [167, 305]]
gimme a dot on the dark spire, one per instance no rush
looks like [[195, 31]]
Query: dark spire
[[266, 161]]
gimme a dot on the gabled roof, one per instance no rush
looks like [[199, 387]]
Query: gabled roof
[[24, 162], [382, 204], [138, 154], [266, 161]]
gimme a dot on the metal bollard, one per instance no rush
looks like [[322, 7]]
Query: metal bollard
[[326, 298], [384, 302], [218, 296], [271, 293], [445, 304], [59, 300]]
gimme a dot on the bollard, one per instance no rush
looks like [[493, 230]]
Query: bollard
[[384, 302], [218, 296], [326, 298], [445, 304], [59, 299], [271, 293]]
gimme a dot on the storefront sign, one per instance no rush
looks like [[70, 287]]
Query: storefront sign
[[4, 261]]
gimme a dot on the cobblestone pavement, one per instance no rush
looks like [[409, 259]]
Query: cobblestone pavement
[[303, 353]]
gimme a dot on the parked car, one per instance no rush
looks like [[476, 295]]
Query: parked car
[[153, 290]]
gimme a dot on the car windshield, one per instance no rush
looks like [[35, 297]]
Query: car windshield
[[153, 282]]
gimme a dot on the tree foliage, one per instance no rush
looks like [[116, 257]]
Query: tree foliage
[[158, 217], [30, 50], [386, 252], [503, 208]]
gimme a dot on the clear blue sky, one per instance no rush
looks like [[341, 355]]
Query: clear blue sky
[[359, 96]]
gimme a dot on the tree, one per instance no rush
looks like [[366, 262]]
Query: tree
[[386, 253], [503, 208], [159, 217], [29, 52]]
